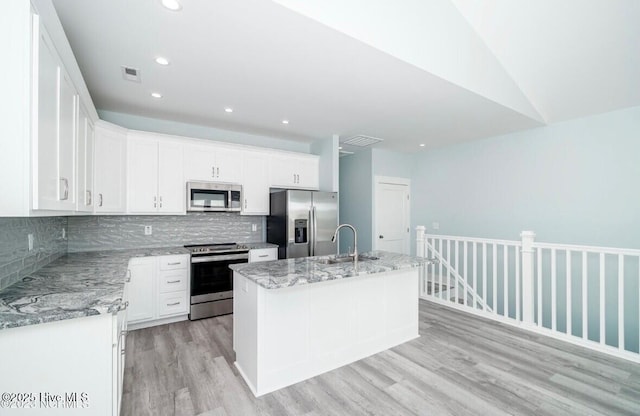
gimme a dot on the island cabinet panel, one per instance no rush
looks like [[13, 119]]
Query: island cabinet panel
[[284, 336], [78, 360]]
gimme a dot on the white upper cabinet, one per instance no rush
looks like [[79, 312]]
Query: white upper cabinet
[[291, 170], [155, 183], [110, 169], [255, 183], [84, 165], [56, 115], [212, 163]]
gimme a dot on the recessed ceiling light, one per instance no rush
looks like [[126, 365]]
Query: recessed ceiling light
[[421, 144], [162, 61], [229, 110], [156, 95], [173, 5], [285, 121]]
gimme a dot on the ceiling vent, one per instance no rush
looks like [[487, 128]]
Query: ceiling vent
[[361, 140], [130, 74]]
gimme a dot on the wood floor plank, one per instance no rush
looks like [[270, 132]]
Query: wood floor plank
[[460, 365]]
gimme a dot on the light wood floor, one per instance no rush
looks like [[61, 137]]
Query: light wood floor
[[461, 365]]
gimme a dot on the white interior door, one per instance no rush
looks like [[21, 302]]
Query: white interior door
[[391, 215]]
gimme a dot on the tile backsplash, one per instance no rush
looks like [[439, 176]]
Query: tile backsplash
[[93, 233], [16, 261]]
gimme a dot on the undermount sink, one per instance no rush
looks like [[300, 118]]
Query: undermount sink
[[344, 259]]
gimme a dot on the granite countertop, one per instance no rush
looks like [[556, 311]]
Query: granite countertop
[[73, 286], [306, 270]]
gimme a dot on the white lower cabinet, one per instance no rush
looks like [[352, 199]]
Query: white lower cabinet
[[263, 254], [159, 290], [81, 359]]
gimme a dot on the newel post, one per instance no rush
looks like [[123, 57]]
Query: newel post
[[420, 231], [527, 276]]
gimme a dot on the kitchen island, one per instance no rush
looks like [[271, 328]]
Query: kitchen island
[[297, 318]]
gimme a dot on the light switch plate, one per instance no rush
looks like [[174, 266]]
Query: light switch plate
[[148, 230], [30, 241], [254, 227]]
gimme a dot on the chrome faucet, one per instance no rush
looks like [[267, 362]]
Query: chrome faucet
[[355, 241]]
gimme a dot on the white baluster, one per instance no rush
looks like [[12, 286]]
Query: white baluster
[[457, 266], [517, 255], [495, 278], [505, 279], [466, 271], [440, 268], [448, 271], [527, 276], [569, 294], [601, 292], [475, 275], [554, 301], [585, 318], [484, 275], [539, 256], [621, 302]]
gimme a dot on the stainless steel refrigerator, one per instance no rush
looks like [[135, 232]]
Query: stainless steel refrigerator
[[302, 223]]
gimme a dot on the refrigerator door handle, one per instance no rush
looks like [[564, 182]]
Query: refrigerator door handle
[[312, 242]]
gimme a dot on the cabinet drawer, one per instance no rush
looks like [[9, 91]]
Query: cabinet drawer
[[173, 281], [174, 303], [263, 254], [173, 262]]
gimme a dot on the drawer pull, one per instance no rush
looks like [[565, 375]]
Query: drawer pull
[[173, 304], [175, 263], [263, 255], [174, 281]]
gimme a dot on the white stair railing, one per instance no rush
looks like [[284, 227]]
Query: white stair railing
[[586, 295]]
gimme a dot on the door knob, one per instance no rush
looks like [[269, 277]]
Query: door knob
[[380, 236]]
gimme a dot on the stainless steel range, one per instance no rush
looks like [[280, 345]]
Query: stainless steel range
[[211, 278]]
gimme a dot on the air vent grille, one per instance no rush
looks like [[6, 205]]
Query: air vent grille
[[130, 74], [361, 140]]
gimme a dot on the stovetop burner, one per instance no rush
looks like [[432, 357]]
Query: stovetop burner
[[216, 248]]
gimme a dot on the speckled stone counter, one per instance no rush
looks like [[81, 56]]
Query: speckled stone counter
[[307, 270], [73, 286]]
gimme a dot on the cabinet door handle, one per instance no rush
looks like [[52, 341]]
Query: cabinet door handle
[[65, 194], [173, 304], [294, 178], [245, 203], [174, 281], [217, 172], [88, 201], [175, 263], [155, 202], [263, 255], [160, 201], [213, 171], [99, 200]]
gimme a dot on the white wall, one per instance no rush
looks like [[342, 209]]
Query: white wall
[[134, 122]]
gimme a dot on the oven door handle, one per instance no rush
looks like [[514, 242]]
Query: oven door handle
[[210, 259]]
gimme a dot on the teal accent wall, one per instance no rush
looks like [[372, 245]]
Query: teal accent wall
[[356, 191], [574, 182], [155, 125]]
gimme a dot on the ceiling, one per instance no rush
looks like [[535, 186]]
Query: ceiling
[[435, 72]]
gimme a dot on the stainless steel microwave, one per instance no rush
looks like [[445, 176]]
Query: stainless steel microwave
[[213, 197]]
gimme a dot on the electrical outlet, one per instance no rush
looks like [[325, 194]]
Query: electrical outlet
[[148, 230], [254, 227], [30, 240], [435, 225]]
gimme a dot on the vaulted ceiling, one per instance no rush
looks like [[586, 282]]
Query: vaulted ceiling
[[418, 71]]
